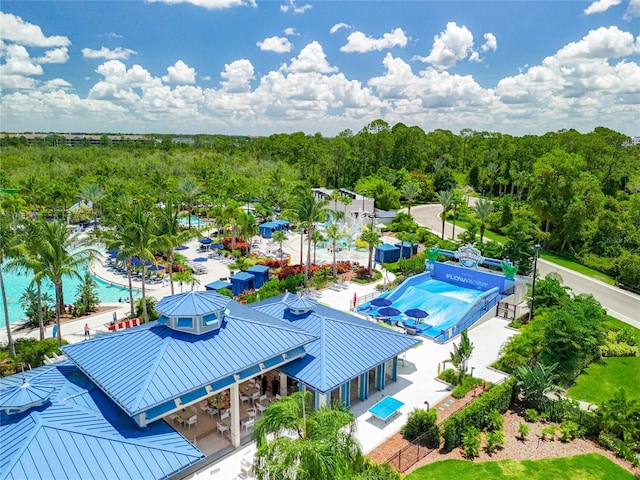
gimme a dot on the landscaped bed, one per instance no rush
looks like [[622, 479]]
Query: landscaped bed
[[579, 467], [602, 378]]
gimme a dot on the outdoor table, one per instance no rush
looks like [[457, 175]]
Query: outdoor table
[[386, 408]]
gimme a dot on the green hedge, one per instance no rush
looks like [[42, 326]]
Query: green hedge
[[476, 413]]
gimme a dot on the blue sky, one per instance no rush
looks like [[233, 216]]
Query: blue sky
[[252, 67]]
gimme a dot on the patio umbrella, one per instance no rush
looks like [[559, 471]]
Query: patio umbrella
[[200, 259], [381, 302], [388, 312], [153, 268], [181, 247], [206, 241], [416, 313], [217, 246]]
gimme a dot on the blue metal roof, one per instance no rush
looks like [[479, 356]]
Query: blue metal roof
[[191, 304], [17, 398], [146, 367], [217, 285], [80, 433], [347, 346], [386, 246]]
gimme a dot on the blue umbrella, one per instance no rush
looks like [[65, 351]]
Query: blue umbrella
[[113, 253], [206, 241], [388, 312], [181, 247], [217, 246], [416, 313], [200, 259], [153, 268], [381, 302]]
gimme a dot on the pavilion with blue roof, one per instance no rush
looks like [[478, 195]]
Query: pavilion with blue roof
[[111, 404]]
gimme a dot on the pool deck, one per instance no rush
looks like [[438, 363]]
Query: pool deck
[[416, 387]]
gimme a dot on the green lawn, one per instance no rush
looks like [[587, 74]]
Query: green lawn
[[576, 267], [579, 467], [602, 378]]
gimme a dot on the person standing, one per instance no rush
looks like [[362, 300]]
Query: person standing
[[87, 332], [265, 383]]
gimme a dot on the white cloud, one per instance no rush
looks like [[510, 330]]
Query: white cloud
[[14, 29], [475, 57], [290, 32], [57, 55], [55, 84], [338, 26], [210, 4], [449, 47], [600, 6], [115, 72], [117, 53], [601, 43], [633, 10], [180, 73], [18, 62], [491, 43], [360, 43], [291, 6], [311, 59], [237, 76], [275, 44]]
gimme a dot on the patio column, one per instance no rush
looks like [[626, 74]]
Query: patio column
[[364, 386], [394, 370], [235, 414], [283, 384], [321, 400], [380, 377], [345, 394]]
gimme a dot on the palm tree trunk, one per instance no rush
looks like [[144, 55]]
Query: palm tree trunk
[[308, 268], [335, 267], [5, 306], [444, 215], [58, 288], [132, 312], [40, 320], [145, 314], [370, 260], [301, 244], [170, 266]]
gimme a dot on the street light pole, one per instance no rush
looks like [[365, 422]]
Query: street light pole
[[536, 249]]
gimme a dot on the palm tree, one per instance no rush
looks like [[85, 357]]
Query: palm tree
[[7, 242], [334, 234], [170, 235], [310, 212], [232, 213], [248, 226], [280, 237], [32, 187], [445, 198], [410, 192], [372, 239], [139, 239], [462, 353], [482, 209], [93, 194], [316, 236], [297, 443], [62, 254], [346, 201], [190, 190]]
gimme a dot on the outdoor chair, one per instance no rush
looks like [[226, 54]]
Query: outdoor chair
[[224, 414], [247, 424], [192, 421], [263, 399]]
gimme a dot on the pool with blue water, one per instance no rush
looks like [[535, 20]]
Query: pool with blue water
[[16, 284]]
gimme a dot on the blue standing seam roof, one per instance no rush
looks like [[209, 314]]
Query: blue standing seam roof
[[242, 276], [192, 304], [346, 346], [170, 363], [79, 433]]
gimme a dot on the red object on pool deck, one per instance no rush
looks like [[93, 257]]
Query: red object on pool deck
[[126, 324]]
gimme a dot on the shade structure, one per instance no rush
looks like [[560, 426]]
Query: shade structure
[[388, 312], [135, 261], [200, 259], [217, 285], [17, 399], [217, 246], [261, 273], [381, 302], [153, 268], [181, 247], [206, 241], [416, 313], [113, 253]]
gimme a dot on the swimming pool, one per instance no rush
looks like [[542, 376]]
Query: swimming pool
[[17, 283], [446, 304], [195, 222]]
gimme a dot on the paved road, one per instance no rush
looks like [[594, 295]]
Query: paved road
[[619, 303]]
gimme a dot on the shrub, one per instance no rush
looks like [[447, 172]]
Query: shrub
[[494, 421], [609, 441], [549, 431], [423, 422], [496, 398], [465, 386], [471, 442], [495, 440], [449, 375], [523, 431], [569, 430], [531, 415]]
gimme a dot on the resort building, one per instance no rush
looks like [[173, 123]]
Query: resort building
[[172, 396]]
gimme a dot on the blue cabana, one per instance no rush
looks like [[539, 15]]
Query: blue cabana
[[387, 253], [217, 285], [266, 229], [241, 281], [261, 272], [284, 224], [408, 249]]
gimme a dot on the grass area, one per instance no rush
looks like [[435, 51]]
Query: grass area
[[580, 467], [599, 381], [576, 267]]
